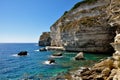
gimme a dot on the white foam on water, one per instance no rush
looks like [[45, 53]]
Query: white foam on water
[[27, 54], [47, 62], [15, 55], [37, 50]]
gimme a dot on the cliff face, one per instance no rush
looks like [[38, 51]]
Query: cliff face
[[86, 27], [45, 39]]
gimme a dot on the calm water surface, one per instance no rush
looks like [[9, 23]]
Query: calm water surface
[[13, 67]]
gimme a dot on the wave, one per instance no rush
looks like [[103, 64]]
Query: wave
[[37, 50], [16, 55]]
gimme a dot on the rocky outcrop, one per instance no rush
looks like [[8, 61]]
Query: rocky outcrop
[[51, 61], [45, 39], [87, 26], [22, 53], [79, 56]]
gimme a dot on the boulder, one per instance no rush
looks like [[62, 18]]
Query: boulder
[[22, 53], [57, 54], [51, 61], [79, 56], [43, 49]]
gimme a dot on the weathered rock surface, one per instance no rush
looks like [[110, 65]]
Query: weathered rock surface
[[45, 39], [105, 70], [79, 56], [87, 27], [108, 69]]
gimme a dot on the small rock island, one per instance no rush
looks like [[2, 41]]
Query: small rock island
[[22, 53]]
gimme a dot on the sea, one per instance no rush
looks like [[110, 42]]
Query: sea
[[34, 66]]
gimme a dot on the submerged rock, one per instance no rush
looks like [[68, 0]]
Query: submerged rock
[[22, 53]]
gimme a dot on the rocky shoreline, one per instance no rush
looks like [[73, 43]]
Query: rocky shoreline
[[108, 69], [89, 27]]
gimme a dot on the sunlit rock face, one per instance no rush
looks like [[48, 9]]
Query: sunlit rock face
[[88, 27], [45, 39], [114, 13], [116, 43]]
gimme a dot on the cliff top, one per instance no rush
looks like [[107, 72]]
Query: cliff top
[[82, 2]]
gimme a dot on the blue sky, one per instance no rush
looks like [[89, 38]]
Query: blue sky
[[24, 20]]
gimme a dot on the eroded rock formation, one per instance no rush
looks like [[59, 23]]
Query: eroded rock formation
[[45, 39], [108, 69], [87, 26]]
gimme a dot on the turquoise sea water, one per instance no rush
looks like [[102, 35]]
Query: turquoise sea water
[[32, 67]]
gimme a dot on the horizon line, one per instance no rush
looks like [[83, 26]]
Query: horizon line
[[18, 42]]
